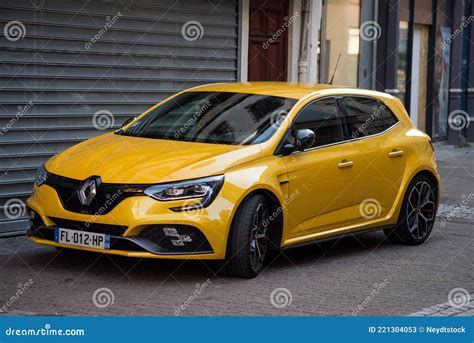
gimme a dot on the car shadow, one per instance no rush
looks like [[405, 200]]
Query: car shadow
[[118, 267]]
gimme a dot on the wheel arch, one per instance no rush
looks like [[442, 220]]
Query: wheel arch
[[430, 175], [276, 210], [421, 172]]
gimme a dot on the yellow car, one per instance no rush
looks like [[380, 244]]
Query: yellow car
[[230, 171]]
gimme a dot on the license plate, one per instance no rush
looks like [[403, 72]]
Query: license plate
[[81, 238]]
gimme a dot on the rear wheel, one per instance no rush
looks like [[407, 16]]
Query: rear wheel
[[418, 213], [248, 245]]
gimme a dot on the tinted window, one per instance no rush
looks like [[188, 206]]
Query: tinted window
[[366, 116], [214, 117], [321, 116]]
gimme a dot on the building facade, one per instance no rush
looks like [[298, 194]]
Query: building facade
[[72, 69]]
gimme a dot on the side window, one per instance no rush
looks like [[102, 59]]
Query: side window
[[321, 116], [366, 116]]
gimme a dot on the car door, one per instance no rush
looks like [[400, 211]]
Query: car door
[[380, 161], [320, 177]]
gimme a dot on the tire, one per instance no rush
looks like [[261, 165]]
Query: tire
[[417, 214], [248, 240]]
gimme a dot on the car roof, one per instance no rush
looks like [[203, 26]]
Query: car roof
[[283, 89]]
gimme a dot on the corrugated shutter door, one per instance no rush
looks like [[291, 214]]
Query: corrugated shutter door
[[52, 83]]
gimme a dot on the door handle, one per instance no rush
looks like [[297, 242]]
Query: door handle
[[395, 153], [345, 164]]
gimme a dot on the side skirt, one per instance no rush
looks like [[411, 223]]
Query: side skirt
[[321, 240]]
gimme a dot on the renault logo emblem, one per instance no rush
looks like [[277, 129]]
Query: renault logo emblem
[[88, 190]]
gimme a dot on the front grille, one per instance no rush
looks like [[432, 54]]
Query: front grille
[[115, 230], [107, 197]]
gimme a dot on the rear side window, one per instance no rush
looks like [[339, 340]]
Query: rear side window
[[366, 116], [321, 116]]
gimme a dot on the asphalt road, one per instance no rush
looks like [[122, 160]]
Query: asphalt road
[[360, 275]]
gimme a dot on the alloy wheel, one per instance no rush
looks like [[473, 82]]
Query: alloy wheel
[[421, 210], [258, 237]]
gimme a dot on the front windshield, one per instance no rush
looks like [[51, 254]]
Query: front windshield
[[214, 117]]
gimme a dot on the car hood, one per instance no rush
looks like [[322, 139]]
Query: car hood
[[124, 159]]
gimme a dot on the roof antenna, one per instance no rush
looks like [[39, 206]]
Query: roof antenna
[[335, 68]]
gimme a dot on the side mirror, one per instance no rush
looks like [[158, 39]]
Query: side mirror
[[288, 149], [304, 139], [128, 121]]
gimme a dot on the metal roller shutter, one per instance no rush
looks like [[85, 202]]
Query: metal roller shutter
[[52, 84]]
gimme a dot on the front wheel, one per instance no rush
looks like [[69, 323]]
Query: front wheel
[[417, 214], [248, 241]]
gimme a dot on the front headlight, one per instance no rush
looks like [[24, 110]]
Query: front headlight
[[206, 188], [41, 176]]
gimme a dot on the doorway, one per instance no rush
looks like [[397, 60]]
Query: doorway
[[268, 40]]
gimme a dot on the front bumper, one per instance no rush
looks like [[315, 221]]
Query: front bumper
[[128, 222], [129, 246]]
